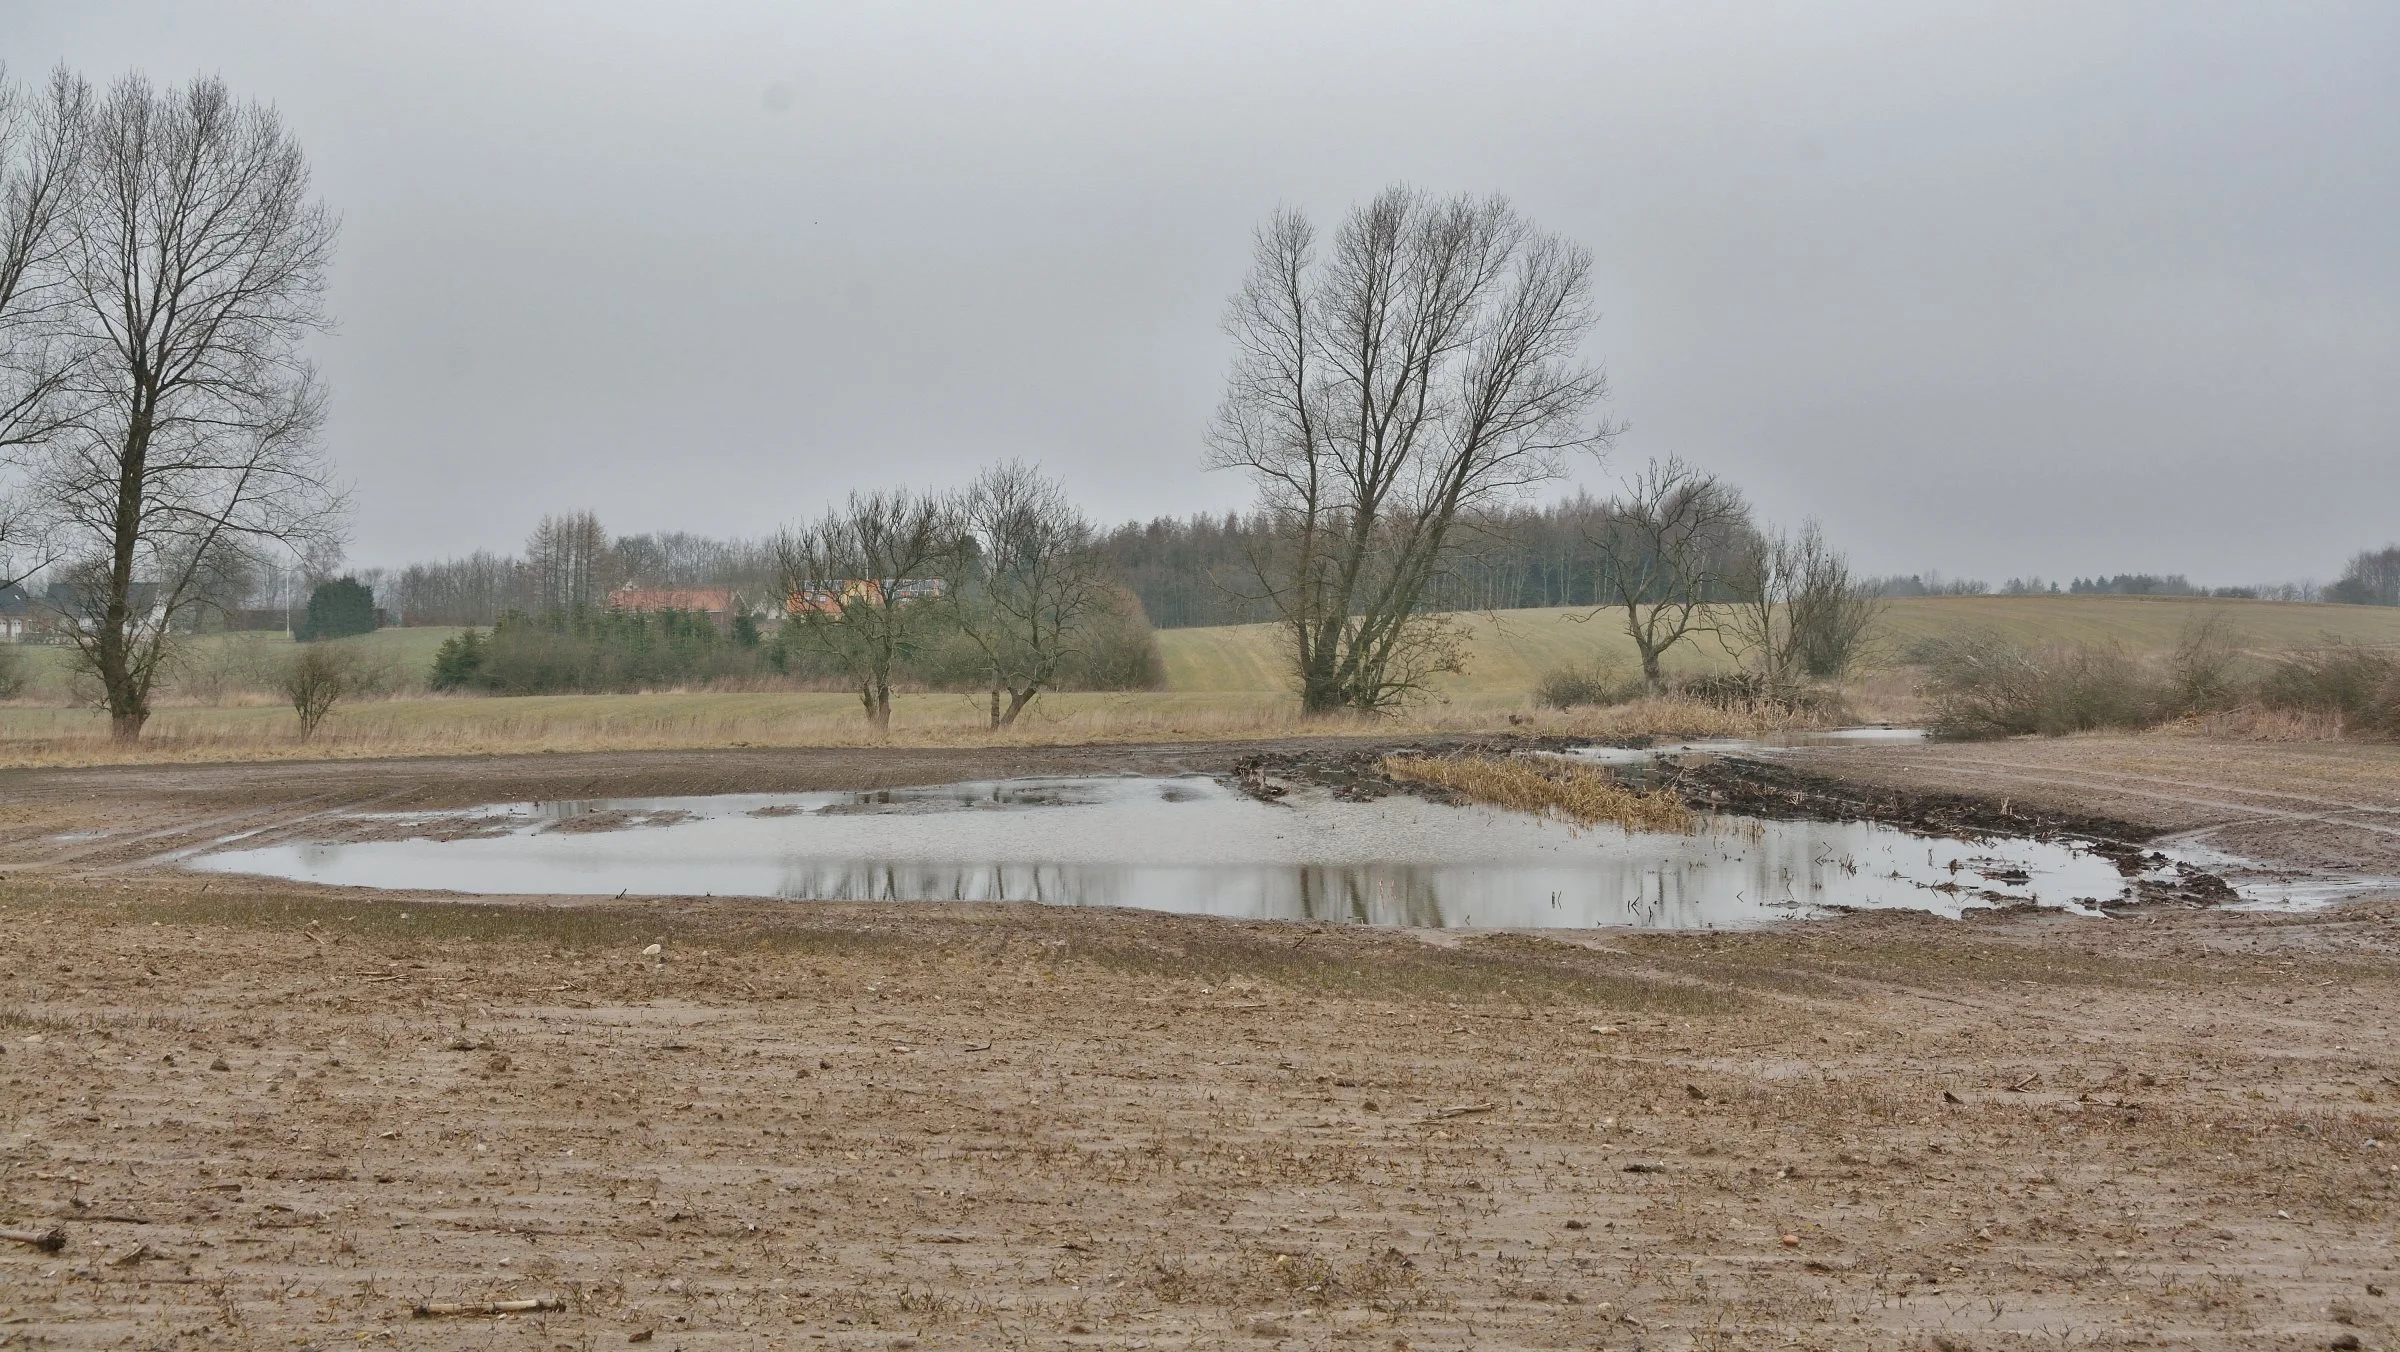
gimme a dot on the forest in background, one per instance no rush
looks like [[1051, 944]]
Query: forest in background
[[1194, 572]]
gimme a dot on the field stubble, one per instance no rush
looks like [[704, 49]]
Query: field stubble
[[861, 1126]]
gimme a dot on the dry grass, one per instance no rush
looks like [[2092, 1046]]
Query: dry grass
[[2262, 725], [1508, 651], [1572, 793], [678, 720]]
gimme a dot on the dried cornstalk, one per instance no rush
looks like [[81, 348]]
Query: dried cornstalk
[[1573, 793]]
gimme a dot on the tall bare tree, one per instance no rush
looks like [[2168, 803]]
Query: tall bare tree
[[863, 582], [1667, 549], [40, 138], [1025, 581], [1426, 365], [1795, 609], [568, 557], [195, 265]]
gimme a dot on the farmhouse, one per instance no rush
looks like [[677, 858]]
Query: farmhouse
[[17, 614], [828, 598], [719, 604], [49, 618]]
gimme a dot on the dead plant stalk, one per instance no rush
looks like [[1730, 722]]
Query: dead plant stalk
[[1572, 793]]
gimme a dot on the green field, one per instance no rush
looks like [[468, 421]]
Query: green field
[[1509, 650]]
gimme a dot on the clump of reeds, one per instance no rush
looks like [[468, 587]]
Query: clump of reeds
[[1577, 794]]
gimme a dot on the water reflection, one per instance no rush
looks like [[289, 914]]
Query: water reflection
[[1191, 845]]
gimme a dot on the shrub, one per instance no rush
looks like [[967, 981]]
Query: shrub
[[317, 679], [1751, 692], [2360, 686], [12, 672], [1116, 649], [1985, 686], [1568, 687], [1730, 690], [2200, 675], [591, 654]]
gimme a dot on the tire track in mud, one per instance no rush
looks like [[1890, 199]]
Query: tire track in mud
[[2390, 810], [106, 854]]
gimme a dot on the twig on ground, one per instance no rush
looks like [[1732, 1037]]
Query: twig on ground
[[472, 1307], [48, 1241]]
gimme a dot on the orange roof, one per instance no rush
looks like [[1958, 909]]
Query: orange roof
[[707, 600]]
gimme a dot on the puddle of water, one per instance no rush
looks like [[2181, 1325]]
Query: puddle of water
[[2265, 889], [1745, 746], [1877, 734], [1194, 845]]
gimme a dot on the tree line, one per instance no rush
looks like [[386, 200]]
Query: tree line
[[997, 587], [1399, 388]]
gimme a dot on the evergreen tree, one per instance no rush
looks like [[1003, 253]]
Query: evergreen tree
[[337, 609]]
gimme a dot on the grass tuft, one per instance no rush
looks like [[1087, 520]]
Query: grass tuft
[[1572, 793]]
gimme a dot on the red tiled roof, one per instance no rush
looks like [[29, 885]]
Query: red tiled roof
[[707, 600]]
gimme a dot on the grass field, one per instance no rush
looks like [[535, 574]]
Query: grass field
[[1222, 683], [228, 666], [1509, 650]]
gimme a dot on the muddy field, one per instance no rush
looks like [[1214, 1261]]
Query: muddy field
[[266, 1114]]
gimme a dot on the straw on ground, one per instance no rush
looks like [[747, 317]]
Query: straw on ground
[[1578, 794]]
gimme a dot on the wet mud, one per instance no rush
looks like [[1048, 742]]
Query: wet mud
[[1758, 786]]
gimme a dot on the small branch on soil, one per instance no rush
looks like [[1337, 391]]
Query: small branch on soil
[[1461, 1110], [474, 1307], [48, 1241]]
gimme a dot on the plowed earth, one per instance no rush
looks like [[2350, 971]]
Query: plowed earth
[[262, 1114]]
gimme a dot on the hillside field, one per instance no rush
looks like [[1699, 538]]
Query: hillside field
[[1222, 684], [1509, 650], [251, 660]]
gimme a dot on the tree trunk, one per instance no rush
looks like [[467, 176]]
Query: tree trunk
[[125, 725], [1017, 700], [1652, 676], [1321, 689]]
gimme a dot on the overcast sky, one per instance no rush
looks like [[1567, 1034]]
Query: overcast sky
[[1988, 288]]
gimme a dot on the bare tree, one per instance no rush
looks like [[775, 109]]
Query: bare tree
[[864, 586], [1796, 611], [318, 678], [2372, 578], [1427, 365], [40, 139], [195, 263], [568, 557], [1667, 547], [1025, 580]]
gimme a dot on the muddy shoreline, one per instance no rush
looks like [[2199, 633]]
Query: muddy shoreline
[[79, 819], [1754, 786]]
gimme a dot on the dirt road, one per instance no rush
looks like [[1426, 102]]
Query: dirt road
[[265, 1114]]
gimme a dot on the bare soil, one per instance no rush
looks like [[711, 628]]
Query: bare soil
[[2319, 805], [268, 1114]]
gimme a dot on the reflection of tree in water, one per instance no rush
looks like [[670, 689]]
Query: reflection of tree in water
[[1392, 894], [1372, 895], [889, 880]]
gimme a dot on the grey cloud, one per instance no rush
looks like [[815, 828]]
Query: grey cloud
[[1995, 289]]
